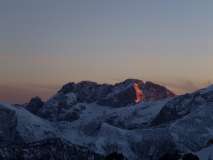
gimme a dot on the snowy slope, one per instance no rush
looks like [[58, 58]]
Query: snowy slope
[[30, 127], [130, 130], [92, 129], [206, 153]]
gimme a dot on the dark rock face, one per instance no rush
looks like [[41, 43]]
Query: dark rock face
[[87, 91], [178, 156], [8, 123], [67, 88], [58, 107], [115, 156], [35, 105], [154, 91], [120, 99], [62, 112], [71, 115], [118, 95], [53, 149], [122, 94], [160, 138], [190, 156], [170, 156]]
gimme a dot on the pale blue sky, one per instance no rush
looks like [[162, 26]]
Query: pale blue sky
[[49, 42]]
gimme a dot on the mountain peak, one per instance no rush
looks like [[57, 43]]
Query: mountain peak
[[131, 81], [115, 95]]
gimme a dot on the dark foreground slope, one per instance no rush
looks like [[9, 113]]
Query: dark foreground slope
[[48, 149]]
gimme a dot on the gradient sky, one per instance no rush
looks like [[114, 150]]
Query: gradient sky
[[46, 43]]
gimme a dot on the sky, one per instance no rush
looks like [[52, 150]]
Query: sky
[[47, 43]]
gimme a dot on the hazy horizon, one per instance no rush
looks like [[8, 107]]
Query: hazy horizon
[[47, 43]]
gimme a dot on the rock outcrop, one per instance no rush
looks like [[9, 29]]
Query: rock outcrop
[[35, 105]]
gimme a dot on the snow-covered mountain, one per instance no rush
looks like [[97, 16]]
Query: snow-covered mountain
[[103, 119], [114, 96]]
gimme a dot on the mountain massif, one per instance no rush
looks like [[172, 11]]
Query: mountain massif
[[87, 120]]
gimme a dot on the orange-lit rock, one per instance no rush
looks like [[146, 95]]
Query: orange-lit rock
[[139, 93]]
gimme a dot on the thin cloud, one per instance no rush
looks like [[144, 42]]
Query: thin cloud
[[185, 86]]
